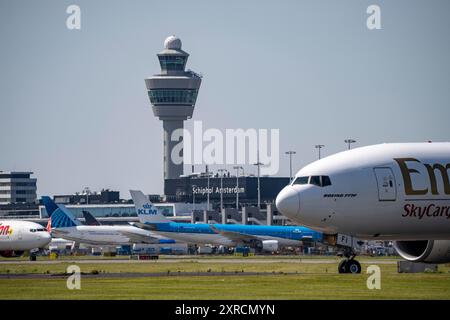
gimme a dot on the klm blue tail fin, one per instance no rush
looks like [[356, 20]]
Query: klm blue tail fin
[[59, 215]]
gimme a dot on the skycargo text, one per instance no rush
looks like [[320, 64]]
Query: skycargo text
[[430, 210]]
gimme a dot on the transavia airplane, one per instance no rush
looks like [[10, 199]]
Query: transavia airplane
[[267, 238], [16, 237], [398, 191], [64, 225]]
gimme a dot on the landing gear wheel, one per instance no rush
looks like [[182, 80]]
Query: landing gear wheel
[[349, 266], [342, 268], [353, 266]]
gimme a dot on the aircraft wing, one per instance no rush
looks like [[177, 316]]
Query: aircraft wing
[[144, 226], [235, 236], [137, 238]]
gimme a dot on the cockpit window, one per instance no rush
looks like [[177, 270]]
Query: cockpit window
[[320, 181], [301, 180], [326, 181], [315, 180]]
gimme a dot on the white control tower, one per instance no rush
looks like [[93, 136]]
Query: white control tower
[[173, 94]]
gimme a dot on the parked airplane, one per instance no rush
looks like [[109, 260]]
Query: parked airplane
[[267, 238], [16, 237], [398, 191], [64, 225], [89, 219]]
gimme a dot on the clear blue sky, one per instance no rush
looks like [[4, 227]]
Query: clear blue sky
[[74, 108]]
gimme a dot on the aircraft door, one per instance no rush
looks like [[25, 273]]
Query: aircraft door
[[387, 189]]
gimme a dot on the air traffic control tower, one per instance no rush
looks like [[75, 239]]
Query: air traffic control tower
[[173, 94]]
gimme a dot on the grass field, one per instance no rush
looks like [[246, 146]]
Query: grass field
[[289, 280]]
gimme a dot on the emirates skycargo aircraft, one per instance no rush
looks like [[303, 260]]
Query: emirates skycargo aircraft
[[396, 191]]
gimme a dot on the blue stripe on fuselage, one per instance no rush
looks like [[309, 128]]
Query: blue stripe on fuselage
[[285, 232]]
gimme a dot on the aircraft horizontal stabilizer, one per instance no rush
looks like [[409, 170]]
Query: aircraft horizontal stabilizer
[[144, 226]]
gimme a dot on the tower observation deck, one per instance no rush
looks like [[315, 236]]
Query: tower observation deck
[[173, 94]]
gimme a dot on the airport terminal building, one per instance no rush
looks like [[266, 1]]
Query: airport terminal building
[[196, 187], [17, 187]]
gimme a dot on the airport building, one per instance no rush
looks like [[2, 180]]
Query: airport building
[[173, 94], [229, 188], [17, 194], [17, 187], [19, 210], [106, 196]]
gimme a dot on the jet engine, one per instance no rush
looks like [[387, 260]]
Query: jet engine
[[11, 253], [270, 245], [429, 251]]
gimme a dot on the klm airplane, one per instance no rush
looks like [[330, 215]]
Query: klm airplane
[[266, 238]]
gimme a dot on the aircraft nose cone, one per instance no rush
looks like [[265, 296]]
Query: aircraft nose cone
[[288, 202], [45, 238]]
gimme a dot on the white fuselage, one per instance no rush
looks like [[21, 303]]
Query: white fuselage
[[218, 239], [22, 235], [103, 235], [395, 191]]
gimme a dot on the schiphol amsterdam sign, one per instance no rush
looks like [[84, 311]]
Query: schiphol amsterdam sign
[[217, 190]]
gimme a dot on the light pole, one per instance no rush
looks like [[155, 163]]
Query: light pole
[[349, 142], [237, 185], [87, 191], [319, 146], [290, 153], [222, 171], [193, 199], [208, 175], [259, 164]]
